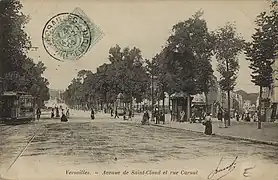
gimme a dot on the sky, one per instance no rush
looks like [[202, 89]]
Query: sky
[[143, 24]]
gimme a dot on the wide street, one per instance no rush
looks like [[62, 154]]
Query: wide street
[[49, 148]]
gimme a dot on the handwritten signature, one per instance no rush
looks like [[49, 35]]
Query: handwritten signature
[[245, 173], [225, 170]]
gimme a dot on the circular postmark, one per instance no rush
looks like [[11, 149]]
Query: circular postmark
[[66, 36]]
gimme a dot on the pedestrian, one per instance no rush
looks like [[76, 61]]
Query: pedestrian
[[63, 117], [226, 118], [111, 112], [207, 124], [145, 119], [192, 118], [67, 113], [220, 118], [237, 117], [57, 112], [247, 118], [129, 114], [162, 117], [156, 115], [92, 114], [124, 114], [38, 114], [242, 117], [116, 113], [256, 118], [52, 113], [182, 116]]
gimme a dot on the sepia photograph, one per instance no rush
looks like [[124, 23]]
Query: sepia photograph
[[142, 89]]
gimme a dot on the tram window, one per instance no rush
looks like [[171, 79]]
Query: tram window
[[8, 103], [21, 103]]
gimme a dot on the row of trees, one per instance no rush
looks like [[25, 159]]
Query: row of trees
[[19, 71], [184, 64], [262, 51], [125, 73]]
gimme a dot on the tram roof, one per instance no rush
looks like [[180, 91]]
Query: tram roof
[[14, 93]]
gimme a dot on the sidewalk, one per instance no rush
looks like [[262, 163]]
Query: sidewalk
[[237, 131]]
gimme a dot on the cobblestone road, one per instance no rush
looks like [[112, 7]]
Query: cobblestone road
[[113, 143]]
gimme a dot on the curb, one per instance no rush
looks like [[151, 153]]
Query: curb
[[271, 143]]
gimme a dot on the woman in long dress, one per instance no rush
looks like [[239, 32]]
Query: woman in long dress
[[52, 113], [64, 117], [220, 118], [207, 124], [146, 118]]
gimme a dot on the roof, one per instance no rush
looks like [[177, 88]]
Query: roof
[[120, 96], [13, 93], [179, 95]]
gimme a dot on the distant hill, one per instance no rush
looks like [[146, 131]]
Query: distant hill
[[248, 96]]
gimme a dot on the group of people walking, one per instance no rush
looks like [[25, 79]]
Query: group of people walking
[[64, 116], [157, 117], [222, 115], [127, 114]]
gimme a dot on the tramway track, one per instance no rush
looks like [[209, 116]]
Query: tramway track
[[25, 147]]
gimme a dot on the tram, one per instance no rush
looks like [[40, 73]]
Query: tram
[[18, 107]]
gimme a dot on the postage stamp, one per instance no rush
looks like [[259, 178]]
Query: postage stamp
[[69, 36]]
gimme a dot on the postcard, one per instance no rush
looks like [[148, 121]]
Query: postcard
[[138, 90]]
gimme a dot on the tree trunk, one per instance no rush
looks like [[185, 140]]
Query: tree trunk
[[206, 99], [158, 104], [163, 104], [169, 103], [188, 113], [260, 109], [131, 102], [229, 109], [152, 91], [228, 92]]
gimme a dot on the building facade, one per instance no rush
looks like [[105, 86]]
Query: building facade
[[218, 98], [273, 95]]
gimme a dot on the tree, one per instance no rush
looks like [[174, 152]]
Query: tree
[[262, 50], [19, 71], [83, 74], [192, 36], [74, 94], [130, 75], [202, 46], [228, 44]]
